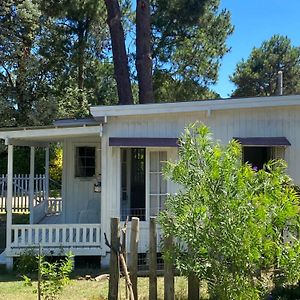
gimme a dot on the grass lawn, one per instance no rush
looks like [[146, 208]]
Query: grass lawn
[[11, 289]]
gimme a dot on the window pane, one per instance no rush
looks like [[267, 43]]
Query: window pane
[[162, 200], [162, 159], [154, 180], [89, 151], [158, 185], [154, 163], [90, 161], [89, 172], [81, 151], [85, 161], [163, 185], [154, 205]]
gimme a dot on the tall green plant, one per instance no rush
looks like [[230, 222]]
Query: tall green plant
[[231, 218], [52, 277]]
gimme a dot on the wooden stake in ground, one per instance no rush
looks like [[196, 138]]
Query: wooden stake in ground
[[127, 278], [123, 252], [168, 272], [114, 259], [39, 292], [133, 267], [152, 260], [193, 287]]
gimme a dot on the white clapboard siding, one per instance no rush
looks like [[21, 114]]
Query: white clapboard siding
[[78, 192], [225, 124]]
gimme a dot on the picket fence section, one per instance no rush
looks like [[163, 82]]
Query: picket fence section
[[20, 201]]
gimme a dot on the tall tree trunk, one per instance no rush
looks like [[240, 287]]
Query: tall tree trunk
[[120, 59], [23, 100], [143, 51], [80, 59]]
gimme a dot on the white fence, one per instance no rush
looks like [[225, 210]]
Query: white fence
[[20, 201], [56, 235]]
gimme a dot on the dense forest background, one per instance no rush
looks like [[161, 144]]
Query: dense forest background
[[56, 57]]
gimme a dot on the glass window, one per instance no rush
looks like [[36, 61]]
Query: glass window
[[256, 156], [85, 161], [158, 185]]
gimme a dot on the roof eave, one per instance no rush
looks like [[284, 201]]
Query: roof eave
[[203, 105]]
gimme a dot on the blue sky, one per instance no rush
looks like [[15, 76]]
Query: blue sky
[[256, 21]]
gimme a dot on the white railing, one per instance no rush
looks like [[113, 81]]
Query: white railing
[[56, 235], [20, 201], [54, 206]]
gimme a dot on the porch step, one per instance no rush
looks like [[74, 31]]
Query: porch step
[[52, 219], [3, 258]]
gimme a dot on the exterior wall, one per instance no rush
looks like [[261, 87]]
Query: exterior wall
[[225, 125], [78, 193]]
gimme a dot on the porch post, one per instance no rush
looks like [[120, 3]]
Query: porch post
[[31, 183], [47, 174], [9, 196]]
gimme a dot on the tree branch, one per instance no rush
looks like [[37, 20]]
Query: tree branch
[[9, 76]]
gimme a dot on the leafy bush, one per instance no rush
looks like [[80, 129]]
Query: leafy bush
[[228, 220], [56, 164], [286, 293], [52, 277], [26, 263]]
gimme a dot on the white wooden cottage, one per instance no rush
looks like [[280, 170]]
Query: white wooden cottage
[[112, 164]]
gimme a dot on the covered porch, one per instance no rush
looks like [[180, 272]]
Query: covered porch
[[70, 222]]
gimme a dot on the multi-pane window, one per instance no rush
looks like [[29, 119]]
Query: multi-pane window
[[85, 161], [133, 190], [158, 185]]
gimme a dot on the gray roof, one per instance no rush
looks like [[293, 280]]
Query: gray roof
[[75, 122]]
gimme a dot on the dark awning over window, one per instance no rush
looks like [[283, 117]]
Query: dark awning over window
[[143, 142], [264, 141]]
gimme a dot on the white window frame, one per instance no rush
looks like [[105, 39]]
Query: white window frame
[[169, 151], [97, 160]]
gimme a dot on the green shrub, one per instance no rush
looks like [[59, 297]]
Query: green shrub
[[26, 263], [286, 293], [52, 277], [231, 219]]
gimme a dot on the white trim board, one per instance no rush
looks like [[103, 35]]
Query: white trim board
[[47, 134], [203, 105]]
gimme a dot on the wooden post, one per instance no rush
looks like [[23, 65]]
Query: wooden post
[[31, 184], [127, 277], [134, 240], [39, 292], [123, 255], [193, 287], [152, 260], [9, 196], [168, 272], [46, 195], [114, 259]]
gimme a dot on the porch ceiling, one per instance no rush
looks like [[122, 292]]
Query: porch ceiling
[[42, 135]]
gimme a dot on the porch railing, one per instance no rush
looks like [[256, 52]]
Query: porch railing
[[54, 205], [20, 201], [56, 235]]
